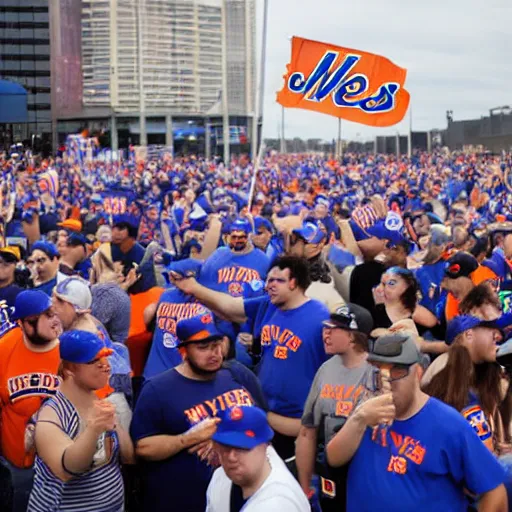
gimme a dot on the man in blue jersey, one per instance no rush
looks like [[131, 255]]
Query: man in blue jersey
[[175, 417], [238, 270], [408, 451], [287, 329]]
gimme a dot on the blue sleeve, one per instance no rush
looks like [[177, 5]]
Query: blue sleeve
[[147, 416], [474, 464], [252, 307]]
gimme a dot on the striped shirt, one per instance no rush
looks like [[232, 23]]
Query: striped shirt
[[100, 489]]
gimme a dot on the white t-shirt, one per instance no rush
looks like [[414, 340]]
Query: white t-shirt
[[279, 493]]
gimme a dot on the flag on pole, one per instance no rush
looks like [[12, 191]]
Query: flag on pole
[[350, 84]]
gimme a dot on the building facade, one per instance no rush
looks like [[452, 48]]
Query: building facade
[[25, 59], [152, 69]]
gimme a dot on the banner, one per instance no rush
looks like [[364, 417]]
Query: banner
[[350, 84]]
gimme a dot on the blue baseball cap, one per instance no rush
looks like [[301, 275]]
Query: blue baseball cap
[[261, 222], [463, 323], [240, 225], [243, 427], [310, 232], [47, 247], [31, 303], [82, 347], [197, 329]]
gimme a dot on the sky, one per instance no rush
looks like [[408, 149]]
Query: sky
[[457, 53]]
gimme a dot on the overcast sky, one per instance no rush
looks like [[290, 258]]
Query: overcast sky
[[457, 53]]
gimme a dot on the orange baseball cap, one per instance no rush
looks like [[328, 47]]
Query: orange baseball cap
[[71, 224]]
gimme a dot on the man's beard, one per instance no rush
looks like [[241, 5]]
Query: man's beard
[[201, 371], [36, 338], [238, 247]]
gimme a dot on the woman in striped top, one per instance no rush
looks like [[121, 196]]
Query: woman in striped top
[[78, 443]]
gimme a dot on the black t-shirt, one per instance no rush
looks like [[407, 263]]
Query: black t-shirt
[[364, 279], [236, 501]]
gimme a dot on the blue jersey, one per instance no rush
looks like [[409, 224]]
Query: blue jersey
[[173, 305], [292, 351], [421, 464], [227, 272], [240, 275], [170, 404]]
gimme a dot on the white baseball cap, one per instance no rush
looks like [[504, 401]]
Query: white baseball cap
[[76, 291]]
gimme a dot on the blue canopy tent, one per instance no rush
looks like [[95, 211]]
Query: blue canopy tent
[[13, 103]]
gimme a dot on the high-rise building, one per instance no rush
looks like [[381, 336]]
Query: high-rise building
[[25, 59], [151, 70]]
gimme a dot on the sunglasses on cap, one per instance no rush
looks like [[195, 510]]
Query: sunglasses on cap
[[62, 287]]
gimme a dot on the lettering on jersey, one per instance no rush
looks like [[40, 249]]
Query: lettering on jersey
[[476, 418], [345, 397], [168, 313], [283, 340], [32, 384], [405, 449], [210, 408], [235, 276]]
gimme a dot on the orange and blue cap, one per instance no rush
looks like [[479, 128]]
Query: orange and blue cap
[[197, 329], [82, 347], [243, 427]]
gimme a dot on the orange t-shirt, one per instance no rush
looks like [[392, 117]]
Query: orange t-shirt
[[481, 274], [139, 338], [26, 379]]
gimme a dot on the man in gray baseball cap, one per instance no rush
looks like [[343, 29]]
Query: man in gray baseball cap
[[408, 451]]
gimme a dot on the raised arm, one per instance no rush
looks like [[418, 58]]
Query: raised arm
[[68, 458], [222, 304], [345, 443]]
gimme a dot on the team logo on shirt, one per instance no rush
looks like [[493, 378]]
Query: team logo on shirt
[[283, 340], [404, 449], [476, 418], [210, 408], [32, 384], [6, 324], [344, 397], [235, 289]]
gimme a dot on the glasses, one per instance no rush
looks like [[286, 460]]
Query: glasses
[[6, 264], [494, 284]]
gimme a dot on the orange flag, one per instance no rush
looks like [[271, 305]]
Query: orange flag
[[358, 86]]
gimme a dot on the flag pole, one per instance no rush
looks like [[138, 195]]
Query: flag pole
[[225, 107], [259, 94], [409, 137], [255, 174], [283, 142], [339, 153]]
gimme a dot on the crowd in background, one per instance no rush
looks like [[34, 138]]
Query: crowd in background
[[336, 341]]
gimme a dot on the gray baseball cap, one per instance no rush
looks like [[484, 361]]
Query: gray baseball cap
[[394, 349]]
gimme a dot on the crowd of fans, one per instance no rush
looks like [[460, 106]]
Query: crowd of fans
[[338, 341]]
